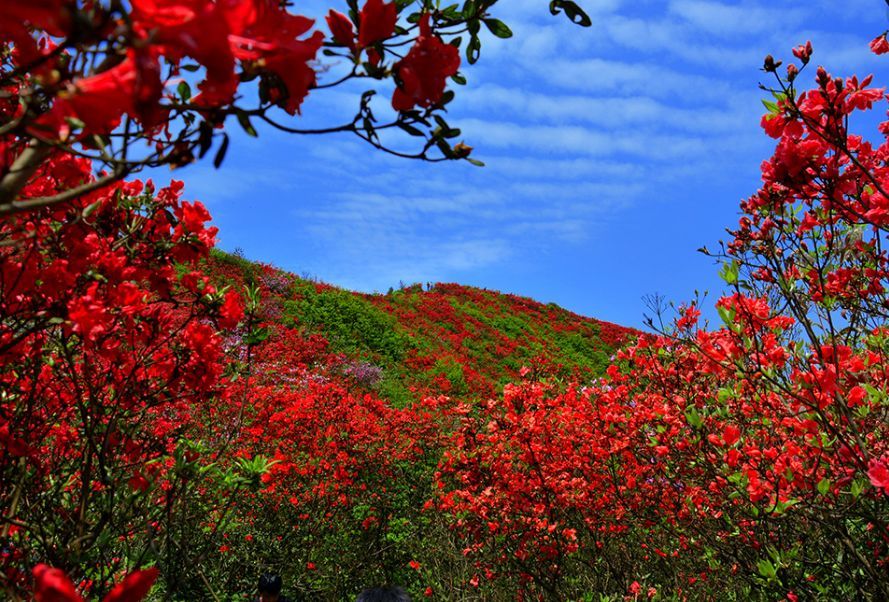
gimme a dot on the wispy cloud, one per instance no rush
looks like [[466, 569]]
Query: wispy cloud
[[739, 19], [627, 136]]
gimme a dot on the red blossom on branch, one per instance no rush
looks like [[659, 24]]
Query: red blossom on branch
[[879, 45], [423, 72], [376, 22]]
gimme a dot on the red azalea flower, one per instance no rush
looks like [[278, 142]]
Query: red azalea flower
[[341, 28], [195, 28], [803, 52], [53, 16], [270, 36], [879, 475], [134, 587], [880, 45], [53, 585], [731, 434], [376, 22], [193, 216], [232, 310], [99, 101], [18, 16], [424, 70]]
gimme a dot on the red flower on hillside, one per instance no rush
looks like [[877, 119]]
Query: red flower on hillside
[[422, 73], [232, 310]]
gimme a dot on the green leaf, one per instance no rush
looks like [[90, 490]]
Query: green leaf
[[220, 154], [726, 315], [498, 28], [858, 486], [244, 120], [766, 569], [257, 335], [184, 91], [205, 138], [411, 129], [729, 272], [572, 11], [693, 417], [824, 486], [473, 49]]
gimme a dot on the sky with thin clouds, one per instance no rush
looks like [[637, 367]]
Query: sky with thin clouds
[[612, 153]]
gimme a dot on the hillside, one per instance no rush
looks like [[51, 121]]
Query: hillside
[[439, 339]]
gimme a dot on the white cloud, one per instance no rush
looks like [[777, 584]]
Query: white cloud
[[743, 19]]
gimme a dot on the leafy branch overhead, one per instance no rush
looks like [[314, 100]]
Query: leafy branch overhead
[[156, 82]]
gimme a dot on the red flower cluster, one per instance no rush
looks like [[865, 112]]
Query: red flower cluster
[[376, 23], [259, 34], [52, 585], [422, 74], [105, 353]]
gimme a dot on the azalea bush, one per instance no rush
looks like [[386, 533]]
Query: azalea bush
[[748, 459], [174, 422], [106, 351], [114, 347]]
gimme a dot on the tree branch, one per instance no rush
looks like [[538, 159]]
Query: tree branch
[[68, 195], [21, 171]]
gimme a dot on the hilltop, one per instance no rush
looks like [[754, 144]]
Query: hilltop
[[419, 340]]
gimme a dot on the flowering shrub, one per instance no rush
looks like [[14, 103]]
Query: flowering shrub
[[111, 356], [164, 434], [747, 458], [105, 351]]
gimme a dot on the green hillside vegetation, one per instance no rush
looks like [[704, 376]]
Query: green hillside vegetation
[[435, 339]]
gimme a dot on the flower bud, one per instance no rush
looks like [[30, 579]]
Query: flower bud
[[462, 150], [803, 52]]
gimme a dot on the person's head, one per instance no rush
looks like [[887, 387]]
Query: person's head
[[383, 594], [269, 587]]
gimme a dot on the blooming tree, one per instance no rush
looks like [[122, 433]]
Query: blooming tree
[[111, 342], [155, 82], [749, 457]]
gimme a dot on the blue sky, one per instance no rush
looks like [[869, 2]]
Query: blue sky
[[612, 154]]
